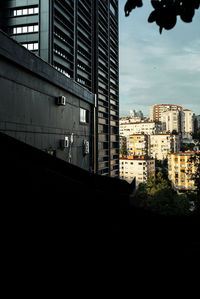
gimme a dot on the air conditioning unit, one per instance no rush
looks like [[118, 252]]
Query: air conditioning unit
[[86, 147], [64, 142], [61, 101]]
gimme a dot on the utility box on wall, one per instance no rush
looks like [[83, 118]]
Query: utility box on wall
[[61, 101]]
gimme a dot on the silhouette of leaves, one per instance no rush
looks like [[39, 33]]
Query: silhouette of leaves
[[166, 11]]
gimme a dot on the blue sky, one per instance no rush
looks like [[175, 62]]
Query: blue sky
[[158, 68]]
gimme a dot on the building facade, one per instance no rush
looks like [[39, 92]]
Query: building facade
[[43, 108], [139, 168], [80, 39], [171, 121], [187, 124], [197, 122], [137, 145], [157, 110], [160, 145], [138, 128], [180, 169]]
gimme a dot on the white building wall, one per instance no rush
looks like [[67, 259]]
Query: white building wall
[[187, 124], [139, 169], [148, 128]]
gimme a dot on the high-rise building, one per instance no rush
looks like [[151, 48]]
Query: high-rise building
[[80, 39], [187, 124], [157, 110], [171, 121]]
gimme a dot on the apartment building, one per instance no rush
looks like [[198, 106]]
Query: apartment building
[[187, 124], [179, 169], [197, 121], [171, 121], [130, 128], [80, 39], [137, 144], [136, 167], [130, 119], [160, 145], [157, 110]]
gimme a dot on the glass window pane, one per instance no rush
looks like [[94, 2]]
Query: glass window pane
[[36, 27], [19, 30], [36, 10], [30, 28], [19, 12], [25, 11], [30, 46], [82, 115], [35, 46], [24, 29], [30, 11]]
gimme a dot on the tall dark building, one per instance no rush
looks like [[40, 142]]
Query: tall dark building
[[80, 39]]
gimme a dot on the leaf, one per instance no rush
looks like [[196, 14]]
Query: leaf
[[155, 3], [152, 17]]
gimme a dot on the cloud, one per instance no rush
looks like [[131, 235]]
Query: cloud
[[159, 69]]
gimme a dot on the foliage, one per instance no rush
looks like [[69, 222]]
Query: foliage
[[195, 160], [158, 196], [166, 11], [187, 147], [123, 149], [196, 136]]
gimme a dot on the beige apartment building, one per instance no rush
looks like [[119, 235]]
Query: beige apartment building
[[180, 121], [137, 144], [179, 169], [136, 167], [160, 145], [157, 110]]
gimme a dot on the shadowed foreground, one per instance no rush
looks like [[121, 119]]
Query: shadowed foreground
[[55, 212]]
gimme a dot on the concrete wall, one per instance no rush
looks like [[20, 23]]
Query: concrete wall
[[28, 111]]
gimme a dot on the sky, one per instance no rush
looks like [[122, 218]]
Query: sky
[[154, 68]]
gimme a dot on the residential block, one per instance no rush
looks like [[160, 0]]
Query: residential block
[[140, 168], [180, 170]]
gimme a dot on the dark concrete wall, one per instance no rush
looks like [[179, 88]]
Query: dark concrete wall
[[28, 111]]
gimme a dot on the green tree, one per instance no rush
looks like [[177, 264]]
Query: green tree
[[158, 196], [194, 173], [123, 149]]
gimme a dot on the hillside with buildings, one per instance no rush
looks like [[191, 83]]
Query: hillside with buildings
[[164, 142]]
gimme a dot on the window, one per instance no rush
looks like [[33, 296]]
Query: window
[[25, 29], [19, 30], [25, 11], [31, 11], [84, 115], [31, 46]]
